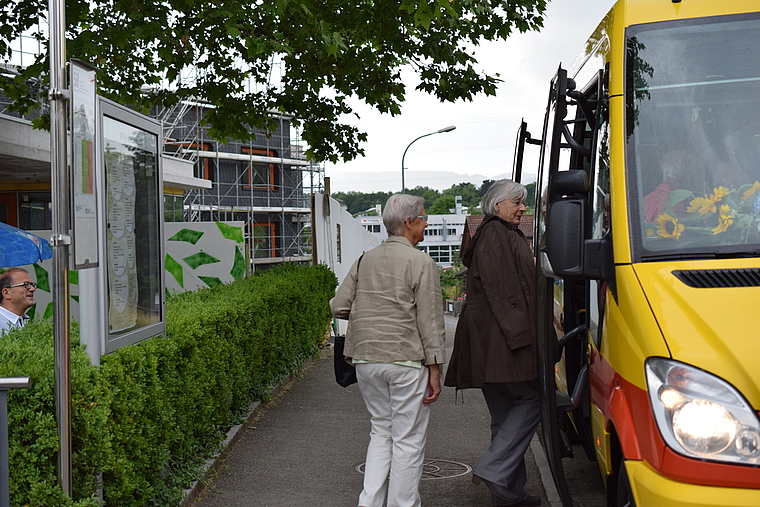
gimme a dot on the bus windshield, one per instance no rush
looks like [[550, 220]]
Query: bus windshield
[[693, 137]]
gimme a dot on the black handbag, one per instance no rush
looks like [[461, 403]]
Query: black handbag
[[345, 373]]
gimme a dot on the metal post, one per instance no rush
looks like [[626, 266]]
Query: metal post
[[5, 385], [441, 131], [5, 494], [61, 238]]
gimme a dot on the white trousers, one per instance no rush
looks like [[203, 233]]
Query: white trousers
[[396, 452]]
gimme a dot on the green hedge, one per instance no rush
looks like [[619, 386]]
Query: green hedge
[[144, 420]]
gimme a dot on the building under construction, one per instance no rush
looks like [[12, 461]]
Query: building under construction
[[265, 182]]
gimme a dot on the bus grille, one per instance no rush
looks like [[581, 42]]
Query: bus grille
[[717, 278]]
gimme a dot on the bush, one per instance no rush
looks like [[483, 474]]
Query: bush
[[152, 412]]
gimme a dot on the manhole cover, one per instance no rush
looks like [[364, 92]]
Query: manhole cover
[[437, 469]]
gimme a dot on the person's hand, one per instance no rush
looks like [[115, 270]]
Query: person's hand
[[434, 384]]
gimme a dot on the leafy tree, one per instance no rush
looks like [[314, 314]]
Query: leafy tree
[[359, 202], [427, 193], [485, 186], [329, 51], [442, 205], [468, 192], [531, 199], [452, 280]]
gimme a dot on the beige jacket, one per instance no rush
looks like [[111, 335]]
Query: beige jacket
[[396, 313]]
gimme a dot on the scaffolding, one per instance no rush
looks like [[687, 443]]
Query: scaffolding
[[265, 182], [24, 52]]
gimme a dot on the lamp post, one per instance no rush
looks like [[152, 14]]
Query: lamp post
[[441, 131]]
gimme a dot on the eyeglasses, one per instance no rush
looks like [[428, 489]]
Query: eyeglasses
[[517, 203], [423, 217], [26, 285]]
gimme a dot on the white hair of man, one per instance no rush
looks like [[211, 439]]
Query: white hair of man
[[397, 209], [502, 190]]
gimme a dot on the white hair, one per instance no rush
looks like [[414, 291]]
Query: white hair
[[397, 209], [501, 190]]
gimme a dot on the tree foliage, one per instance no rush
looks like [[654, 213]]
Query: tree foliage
[[436, 202], [427, 193], [359, 202], [442, 206], [330, 50], [467, 191]]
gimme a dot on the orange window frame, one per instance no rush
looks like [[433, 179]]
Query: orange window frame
[[9, 200], [201, 147], [249, 169], [272, 238]]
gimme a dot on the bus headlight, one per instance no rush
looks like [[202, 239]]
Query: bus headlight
[[700, 415], [748, 442], [703, 427]]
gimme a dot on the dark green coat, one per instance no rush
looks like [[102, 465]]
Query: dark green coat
[[495, 339]]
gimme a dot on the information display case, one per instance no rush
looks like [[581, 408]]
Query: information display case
[[133, 225]]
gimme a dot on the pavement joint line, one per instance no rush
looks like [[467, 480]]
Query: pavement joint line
[[546, 474], [215, 462]]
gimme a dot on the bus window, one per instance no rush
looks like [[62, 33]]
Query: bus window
[[600, 215], [693, 137]]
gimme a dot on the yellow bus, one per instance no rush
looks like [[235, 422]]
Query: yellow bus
[[648, 246]]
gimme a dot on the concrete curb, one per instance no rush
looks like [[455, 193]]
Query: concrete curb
[[552, 495], [214, 463]]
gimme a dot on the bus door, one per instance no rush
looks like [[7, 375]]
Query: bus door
[[566, 206]]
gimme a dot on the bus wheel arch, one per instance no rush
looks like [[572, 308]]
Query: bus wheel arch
[[619, 493]]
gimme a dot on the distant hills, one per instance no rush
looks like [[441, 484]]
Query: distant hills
[[390, 181]]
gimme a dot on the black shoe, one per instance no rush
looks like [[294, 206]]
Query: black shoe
[[528, 501], [500, 492], [497, 490]]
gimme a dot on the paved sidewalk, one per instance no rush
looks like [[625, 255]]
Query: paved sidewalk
[[306, 448]]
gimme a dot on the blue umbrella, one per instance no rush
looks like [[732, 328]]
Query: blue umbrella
[[18, 248]]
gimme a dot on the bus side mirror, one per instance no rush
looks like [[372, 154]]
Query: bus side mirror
[[570, 182], [570, 255], [565, 237]]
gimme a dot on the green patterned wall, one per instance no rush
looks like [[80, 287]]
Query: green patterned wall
[[197, 255], [203, 254]]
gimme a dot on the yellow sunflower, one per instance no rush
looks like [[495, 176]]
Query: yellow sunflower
[[668, 227], [719, 193], [703, 205], [725, 219], [751, 191]]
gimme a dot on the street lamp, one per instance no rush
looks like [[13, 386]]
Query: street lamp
[[441, 131]]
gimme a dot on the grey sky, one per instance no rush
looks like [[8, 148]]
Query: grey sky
[[482, 145]]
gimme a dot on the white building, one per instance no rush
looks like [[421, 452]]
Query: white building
[[443, 235]]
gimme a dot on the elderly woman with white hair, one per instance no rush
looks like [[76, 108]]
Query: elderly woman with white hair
[[495, 341], [392, 300]]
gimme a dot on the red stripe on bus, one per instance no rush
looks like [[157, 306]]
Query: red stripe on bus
[[627, 408]]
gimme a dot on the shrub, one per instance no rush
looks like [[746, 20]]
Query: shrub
[[149, 415]]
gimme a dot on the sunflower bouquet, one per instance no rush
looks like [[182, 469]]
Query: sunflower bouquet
[[726, 216]]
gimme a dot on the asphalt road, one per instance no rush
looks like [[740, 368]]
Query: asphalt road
[[306, 448]]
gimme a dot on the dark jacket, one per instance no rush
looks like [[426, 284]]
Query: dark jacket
[[495, 339]]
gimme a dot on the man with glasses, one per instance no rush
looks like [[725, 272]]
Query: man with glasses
[[17, 297]]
